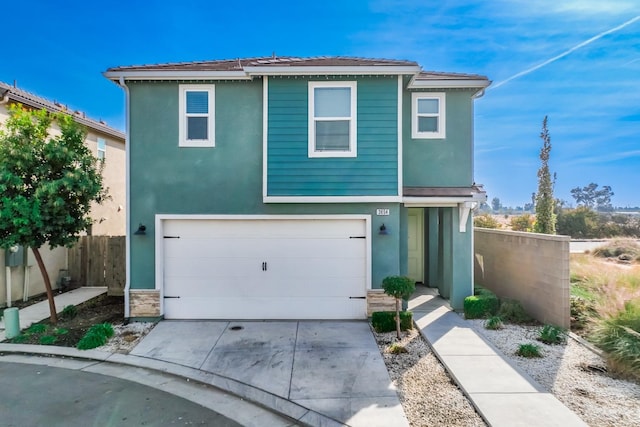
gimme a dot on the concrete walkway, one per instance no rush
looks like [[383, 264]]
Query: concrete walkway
[[40, 311], [501, 393]]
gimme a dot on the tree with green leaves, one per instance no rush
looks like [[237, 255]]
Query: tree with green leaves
[[545, 202], [399, 287], [47, 184], [592, 197]]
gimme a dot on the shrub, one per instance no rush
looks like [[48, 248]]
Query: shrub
[[479, 306], [511, 311], [384, 321], [48, 340], [36, 328], [621, 249], [399, 287], [479, 290], [396, 348], [528, 350], [494, 323], [69, 312], [522, 223], [96, 336], [551, 334], [485, 221], [619, 336], [582, 311]]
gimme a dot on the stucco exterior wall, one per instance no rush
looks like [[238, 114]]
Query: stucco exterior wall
[[54, 260], [528, 267]]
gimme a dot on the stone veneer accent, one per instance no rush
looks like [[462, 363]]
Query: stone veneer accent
[[144, 303], [377, 300]]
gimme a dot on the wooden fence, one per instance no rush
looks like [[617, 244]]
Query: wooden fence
[[99, 261]]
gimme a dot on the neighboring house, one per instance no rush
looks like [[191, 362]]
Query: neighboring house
[[284, 187], [106, 143]]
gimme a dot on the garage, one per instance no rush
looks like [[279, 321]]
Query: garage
[[263, 267]]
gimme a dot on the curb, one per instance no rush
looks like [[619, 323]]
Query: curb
[[276, 404]]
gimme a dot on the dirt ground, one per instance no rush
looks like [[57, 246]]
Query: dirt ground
[[69, 331]]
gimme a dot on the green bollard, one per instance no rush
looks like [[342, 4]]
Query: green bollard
[[11, 322]]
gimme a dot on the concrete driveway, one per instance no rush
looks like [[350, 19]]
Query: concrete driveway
[[331, 367]]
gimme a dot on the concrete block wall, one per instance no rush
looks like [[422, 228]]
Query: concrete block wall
[[529, 267]]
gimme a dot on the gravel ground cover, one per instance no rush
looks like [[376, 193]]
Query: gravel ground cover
[[573, 374], [428, 396]]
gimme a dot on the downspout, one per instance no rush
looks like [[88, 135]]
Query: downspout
[[127, 284]]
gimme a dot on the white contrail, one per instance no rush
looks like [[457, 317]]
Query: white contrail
[[563, 54]]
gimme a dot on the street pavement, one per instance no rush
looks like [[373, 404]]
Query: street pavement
[[36, 395]]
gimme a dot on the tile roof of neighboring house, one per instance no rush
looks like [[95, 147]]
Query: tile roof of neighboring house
[[239, 64], [436, 75], [27, 98]]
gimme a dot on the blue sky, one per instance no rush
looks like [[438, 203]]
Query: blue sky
[[588, 84]]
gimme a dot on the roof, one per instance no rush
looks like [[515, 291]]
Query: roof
[[16, 94], [247, 68], [473, 191], [240, 64]]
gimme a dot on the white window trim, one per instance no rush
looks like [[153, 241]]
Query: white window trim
[[101, 150], [442, 108], [353, 137], [182, 111]]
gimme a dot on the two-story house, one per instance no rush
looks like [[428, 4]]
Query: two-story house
[[286, 187]]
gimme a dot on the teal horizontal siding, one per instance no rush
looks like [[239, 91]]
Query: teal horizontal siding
[[372, 173]]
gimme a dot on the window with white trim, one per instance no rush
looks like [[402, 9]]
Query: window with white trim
[[428, 115], [332, 119], [197, 121], [102, 149]]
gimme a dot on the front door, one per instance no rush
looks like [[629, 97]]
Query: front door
[[416, 244]]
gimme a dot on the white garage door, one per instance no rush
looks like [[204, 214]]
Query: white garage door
[[264, 268]]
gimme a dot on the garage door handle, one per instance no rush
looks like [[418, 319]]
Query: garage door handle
[[167, 296], [357, 297], [357, 237], [171, 237], [264, 266]]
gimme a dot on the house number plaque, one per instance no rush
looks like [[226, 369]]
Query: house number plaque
[[382, 212]]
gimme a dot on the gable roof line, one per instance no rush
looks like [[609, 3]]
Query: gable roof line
[[21, 96]]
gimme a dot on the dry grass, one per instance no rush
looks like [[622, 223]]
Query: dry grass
[[608, 285]]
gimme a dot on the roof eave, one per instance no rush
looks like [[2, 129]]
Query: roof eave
[[448, 83], [175, 75], [332, 70]]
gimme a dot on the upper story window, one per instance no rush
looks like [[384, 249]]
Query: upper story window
[[428, 115], [197, 121], [102, 149], [332, 119]]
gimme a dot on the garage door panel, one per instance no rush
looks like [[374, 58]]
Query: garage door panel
[[214, 268], [270, 308], [263, 228]]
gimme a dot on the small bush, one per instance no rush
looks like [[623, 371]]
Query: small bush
[[384, 321], [511, 311], [485, 221], [528, 350], [582, 311], [60, 331], [522, 223], [96, 336], [69, 312], [36, 328], [479, 306], [48, 340], [479, 290], [396, 348], [551, 334], [494, 323], [619, 337], [20, 339]]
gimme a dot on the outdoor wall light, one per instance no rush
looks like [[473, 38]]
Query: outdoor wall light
[[383, 230], [141, 231]]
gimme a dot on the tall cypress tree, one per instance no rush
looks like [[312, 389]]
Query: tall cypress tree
[[545, 202]]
